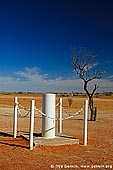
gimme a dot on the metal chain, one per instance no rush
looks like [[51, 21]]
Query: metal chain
[[43, 114], [20, 114], [19, 111]]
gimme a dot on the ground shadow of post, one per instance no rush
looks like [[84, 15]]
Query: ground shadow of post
[[7, 139]]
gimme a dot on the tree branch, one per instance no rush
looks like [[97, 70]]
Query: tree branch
[[95, 88]]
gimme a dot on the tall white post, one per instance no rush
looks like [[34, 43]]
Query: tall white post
[[15, 117], [48, 121], [85, 121], [60, 116], [31, 123]]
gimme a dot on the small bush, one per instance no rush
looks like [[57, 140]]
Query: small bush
[[70, 101]]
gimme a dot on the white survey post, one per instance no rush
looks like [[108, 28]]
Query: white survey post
[[48, 120]]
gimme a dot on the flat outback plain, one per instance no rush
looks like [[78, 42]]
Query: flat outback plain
[[15, 153]]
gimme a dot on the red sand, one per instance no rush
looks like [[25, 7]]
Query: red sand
[[98, 154]]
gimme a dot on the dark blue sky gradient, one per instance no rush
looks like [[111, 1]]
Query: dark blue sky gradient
[[39, 33]]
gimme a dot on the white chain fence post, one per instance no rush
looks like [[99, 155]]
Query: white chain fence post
[[85, 122], [15, 117], [60, 116], [31, 123]]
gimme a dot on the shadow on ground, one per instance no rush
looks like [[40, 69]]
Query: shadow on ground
[[7, 139]]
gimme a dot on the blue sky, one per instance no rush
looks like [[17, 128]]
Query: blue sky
[[35, 41]]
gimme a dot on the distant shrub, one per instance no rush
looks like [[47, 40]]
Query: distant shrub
[[7, 93], [20, 92], [70, 101]]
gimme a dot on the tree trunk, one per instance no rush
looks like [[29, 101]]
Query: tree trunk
[[91, 104]]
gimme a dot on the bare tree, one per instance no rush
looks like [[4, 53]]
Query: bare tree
[[84, 65]]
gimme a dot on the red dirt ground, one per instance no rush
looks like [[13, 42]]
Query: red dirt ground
[[98, 154]]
